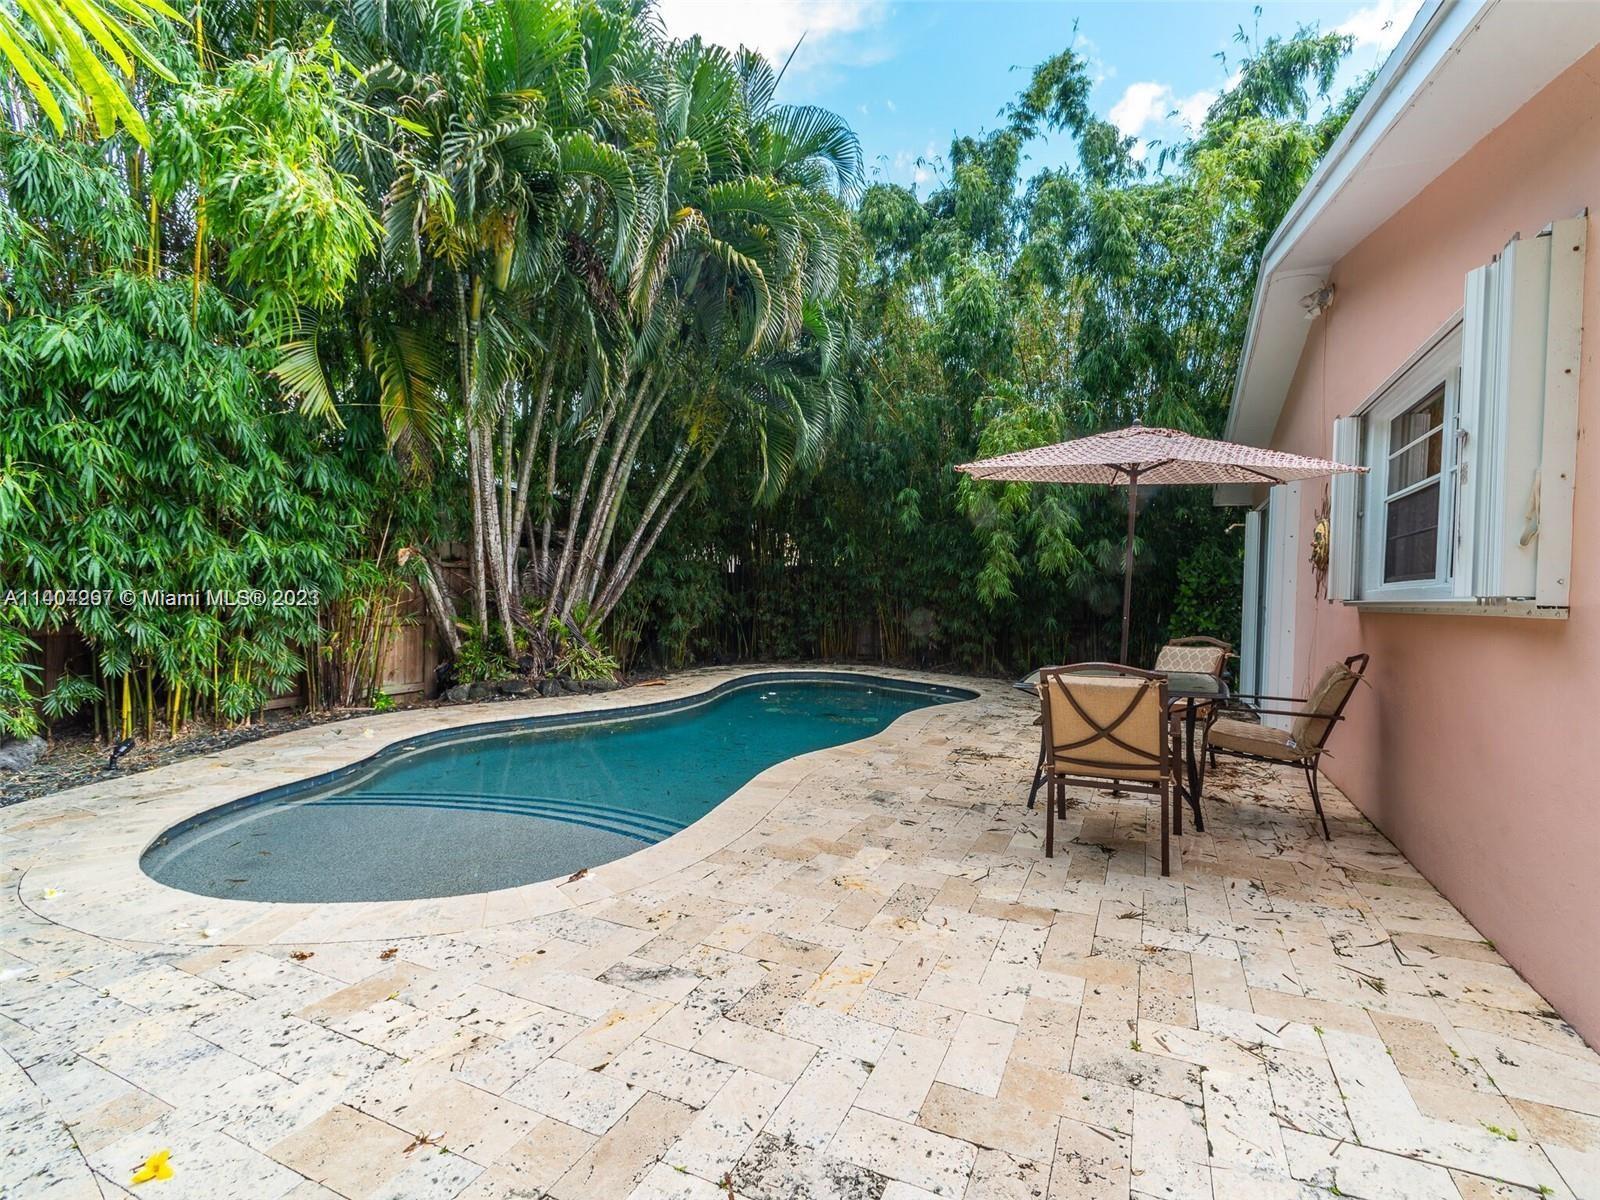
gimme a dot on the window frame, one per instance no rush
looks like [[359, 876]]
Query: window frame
[[1439, 364], [1513, 434]]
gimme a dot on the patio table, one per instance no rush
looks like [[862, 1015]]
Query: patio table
[[1190, 689]]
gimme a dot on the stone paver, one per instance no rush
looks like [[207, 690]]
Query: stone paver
[[858, 979]]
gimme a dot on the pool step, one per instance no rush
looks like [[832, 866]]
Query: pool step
[[644, 826]]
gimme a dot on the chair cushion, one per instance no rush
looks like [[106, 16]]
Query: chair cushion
[[1247, 738], [1077, 747], [1200, 660], [1312, 726]]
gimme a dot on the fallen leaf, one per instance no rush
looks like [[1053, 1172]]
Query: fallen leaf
[[422, 1139], [301, 955], [156, 1166], [389, 953]]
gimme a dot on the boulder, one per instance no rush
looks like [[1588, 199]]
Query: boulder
[[18, 754], [459, 694], [549, 687], [516, 687], [480, 691]]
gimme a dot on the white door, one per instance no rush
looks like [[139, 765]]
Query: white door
[[1271, 568]]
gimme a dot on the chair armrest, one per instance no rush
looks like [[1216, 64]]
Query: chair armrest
[[1295, 712]]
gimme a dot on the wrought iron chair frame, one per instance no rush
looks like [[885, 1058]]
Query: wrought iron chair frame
[[1356, 664], [1058, 773]]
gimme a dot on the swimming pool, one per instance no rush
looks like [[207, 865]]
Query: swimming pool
[[499, 805]]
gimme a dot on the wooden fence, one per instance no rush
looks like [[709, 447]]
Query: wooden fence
[[409, 664]]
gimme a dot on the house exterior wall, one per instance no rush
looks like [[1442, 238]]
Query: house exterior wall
[[1477, 747]]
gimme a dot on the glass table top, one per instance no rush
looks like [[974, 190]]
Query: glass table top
[[1181, 685]]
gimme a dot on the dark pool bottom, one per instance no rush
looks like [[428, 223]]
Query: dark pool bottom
[[498, 805]]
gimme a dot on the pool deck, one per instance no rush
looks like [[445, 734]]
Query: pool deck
[[857, 978]]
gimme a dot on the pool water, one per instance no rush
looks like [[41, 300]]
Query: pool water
[[495, 806]]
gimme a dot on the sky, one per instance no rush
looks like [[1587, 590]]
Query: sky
[[910, 74]]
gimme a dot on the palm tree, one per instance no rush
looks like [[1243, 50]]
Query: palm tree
[[734, 313], [631, 255], [505, 108]]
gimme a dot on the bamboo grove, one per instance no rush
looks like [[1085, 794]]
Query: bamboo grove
[[581, 334]]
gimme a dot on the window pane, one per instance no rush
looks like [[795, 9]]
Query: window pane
[[1420, 462], [1411, 536], [1411, 465], [1409, 426]]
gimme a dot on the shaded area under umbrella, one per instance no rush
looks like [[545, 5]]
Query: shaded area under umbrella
[[1152, 457]]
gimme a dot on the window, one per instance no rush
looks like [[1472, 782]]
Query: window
[[1411, 510], [1471, 449], [1405, 508]]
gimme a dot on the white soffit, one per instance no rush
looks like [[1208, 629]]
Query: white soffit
[[1462, 69]]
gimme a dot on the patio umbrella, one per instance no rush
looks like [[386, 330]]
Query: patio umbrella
[[1148, 456]]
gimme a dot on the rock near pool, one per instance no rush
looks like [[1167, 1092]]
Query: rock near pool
[[18, 754]]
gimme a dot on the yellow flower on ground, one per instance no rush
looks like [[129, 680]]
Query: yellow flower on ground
[[155, 1167]]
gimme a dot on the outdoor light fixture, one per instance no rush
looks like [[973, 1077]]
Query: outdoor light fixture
[[1318, 302]]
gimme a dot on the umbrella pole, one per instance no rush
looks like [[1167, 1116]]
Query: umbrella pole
[[1127, 562]]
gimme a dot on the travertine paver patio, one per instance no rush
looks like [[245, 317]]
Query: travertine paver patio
[[861, 980]]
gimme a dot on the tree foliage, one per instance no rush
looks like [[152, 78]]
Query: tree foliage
[[580, 331], [67, 55], [1004, 311]]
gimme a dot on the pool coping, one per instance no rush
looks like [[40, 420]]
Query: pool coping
[[366, 768], [90, 880]]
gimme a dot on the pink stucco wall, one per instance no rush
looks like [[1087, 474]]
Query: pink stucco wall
[[1477, 749]]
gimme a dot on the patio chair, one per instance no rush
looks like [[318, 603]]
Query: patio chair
[[1109, 727], [1304, 742], [1196, 655]]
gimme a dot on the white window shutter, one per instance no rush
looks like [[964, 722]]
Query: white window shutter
[[1473, 431], [1344, 513], [1518, 420], [1508, 352], [1558, 458], [1251, 632]]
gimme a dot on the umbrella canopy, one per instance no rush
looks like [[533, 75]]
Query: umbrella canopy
[[1153, 456], [1150, 456]]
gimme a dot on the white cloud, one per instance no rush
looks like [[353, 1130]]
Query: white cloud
[[1088, 50], [1192, 109], [1142, 104], [891, 106], [775, 27], [1148, 104], [1381, 24]]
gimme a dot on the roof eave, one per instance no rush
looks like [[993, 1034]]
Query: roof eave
[[1378, 111]]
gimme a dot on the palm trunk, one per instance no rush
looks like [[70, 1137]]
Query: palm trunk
[[530, 448], [440, 605], [558, 585], [507, 541], [612, 508], [584, 575], [550, 496], [493, 551], [480, 590], [627, 566]]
